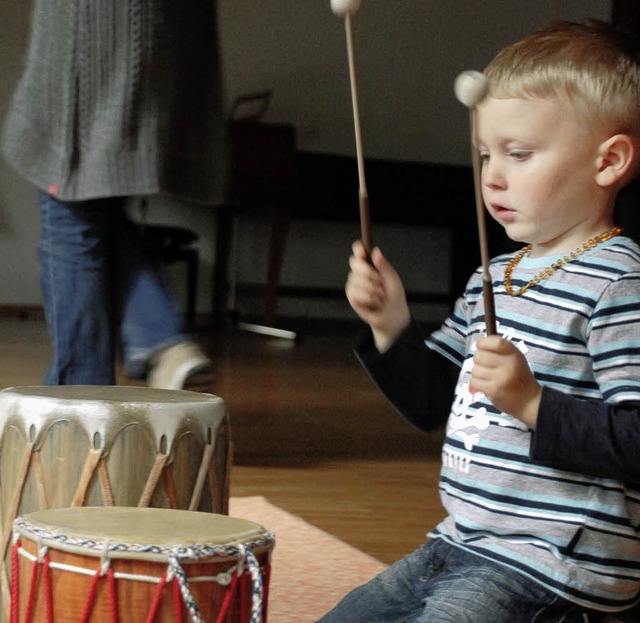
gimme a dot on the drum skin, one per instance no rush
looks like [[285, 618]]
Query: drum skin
[[137, 541], [101, 446]]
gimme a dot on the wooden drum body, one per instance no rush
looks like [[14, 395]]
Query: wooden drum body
[[134, 565], [103, 446]]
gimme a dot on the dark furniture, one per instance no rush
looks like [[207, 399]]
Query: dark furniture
[[262, 180], [408, 193], [325, 187]]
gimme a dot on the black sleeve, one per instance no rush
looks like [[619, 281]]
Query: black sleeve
[[417, 381], [588, 436]]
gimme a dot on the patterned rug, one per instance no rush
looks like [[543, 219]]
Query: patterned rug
[[311, 570]]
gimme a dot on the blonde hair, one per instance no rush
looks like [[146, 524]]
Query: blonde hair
[[593, 66]]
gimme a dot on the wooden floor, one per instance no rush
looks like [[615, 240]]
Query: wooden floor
[[311, 432]]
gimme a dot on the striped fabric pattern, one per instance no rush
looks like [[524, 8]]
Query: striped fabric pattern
[[575, 534]]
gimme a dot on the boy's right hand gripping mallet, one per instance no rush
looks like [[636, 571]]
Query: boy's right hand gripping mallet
[[471, 87]]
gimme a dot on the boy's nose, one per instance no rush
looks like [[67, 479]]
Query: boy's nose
[[491, 175]]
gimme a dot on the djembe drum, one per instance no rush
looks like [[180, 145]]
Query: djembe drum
[[109, 446], [136, 565]]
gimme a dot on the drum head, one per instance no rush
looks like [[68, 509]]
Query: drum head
[[109, 393], [97, 528]]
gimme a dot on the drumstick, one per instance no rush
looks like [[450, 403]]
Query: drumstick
[[471, 87], [345, 9]]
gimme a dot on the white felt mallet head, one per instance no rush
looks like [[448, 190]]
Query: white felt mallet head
[[342, 8], [471, 87]]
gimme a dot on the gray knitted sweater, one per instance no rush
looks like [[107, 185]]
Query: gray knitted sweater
[[120, 97]]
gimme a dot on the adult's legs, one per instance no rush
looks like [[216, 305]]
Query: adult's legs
[[101, 290], [76, 282], [149, 320]]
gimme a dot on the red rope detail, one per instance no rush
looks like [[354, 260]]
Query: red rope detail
[[90, 598], [15, 581], [156, 599], [32, 593], [227, 598], [48, 589], [113, 596], [266, 581], [246, 590], [177, 602]]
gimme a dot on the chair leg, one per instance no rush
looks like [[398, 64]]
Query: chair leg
[[281, 224], [193, 261], [224, 232]]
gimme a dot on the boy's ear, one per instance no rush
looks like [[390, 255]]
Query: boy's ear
[[616, 160]]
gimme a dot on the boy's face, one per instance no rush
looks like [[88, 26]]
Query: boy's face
[[539, 165]]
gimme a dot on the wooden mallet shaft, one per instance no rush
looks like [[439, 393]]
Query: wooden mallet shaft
[[471, 87], [345, 9]]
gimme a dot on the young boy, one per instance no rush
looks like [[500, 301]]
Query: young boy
[[539, 474]]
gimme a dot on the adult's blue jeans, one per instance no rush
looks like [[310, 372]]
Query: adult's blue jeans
[[440, 583], [102, 293]]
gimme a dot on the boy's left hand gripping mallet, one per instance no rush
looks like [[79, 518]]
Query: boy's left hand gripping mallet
[[471, 87], [345, 9]]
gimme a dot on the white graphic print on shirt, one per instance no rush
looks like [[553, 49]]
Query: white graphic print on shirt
[[464, 417]]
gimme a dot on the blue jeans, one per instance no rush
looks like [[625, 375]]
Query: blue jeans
[[101, 292], [440, 583]]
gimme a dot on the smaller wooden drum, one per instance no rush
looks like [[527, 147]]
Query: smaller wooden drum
[[133, 565]]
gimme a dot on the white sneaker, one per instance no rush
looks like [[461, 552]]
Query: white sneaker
[[174, 366]]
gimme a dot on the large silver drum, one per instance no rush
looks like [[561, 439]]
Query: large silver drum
[[109, 446]]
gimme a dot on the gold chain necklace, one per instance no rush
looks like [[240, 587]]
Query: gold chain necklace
[[547, 272]]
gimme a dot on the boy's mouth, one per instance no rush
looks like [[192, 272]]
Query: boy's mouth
[[501, 212]]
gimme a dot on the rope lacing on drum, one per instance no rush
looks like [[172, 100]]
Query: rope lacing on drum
[[175, 557], [245, 558]]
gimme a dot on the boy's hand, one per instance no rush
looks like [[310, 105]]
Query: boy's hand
[[375, 291], [501, 372]]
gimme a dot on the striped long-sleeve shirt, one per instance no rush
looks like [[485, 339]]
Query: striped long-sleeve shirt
[[575, 532]]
